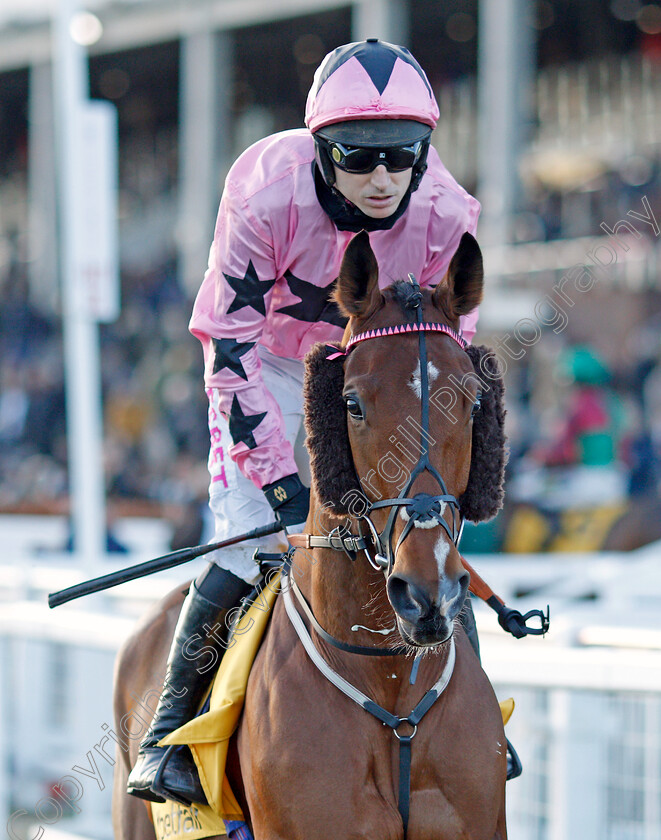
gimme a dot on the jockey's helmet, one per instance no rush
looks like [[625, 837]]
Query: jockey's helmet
[[371, 95]]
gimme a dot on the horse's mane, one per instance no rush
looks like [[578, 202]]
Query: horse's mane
[[406, 295]]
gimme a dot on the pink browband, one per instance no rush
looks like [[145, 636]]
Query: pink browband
[[401, 329]]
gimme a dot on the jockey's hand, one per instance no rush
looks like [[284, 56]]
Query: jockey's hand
[[290, 499]]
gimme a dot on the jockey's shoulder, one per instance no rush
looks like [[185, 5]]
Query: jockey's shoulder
[[270, 160]]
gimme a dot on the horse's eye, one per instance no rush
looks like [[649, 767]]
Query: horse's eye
[[477, 405], [353, 408]]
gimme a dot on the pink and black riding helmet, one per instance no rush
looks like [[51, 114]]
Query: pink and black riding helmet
[[370, 94]]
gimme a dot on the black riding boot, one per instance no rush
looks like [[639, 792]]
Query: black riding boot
[[199, 634], [467, 619]]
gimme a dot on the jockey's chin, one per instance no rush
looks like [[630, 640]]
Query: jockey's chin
[[378, 193]]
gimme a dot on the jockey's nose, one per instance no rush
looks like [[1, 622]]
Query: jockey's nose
[[380, 175], [407, 599]]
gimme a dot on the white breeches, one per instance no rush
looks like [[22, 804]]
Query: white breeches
[[237, 505]]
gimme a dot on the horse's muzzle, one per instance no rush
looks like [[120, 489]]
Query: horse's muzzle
[[425, 621]]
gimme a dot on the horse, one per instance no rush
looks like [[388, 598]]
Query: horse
[[405, 434], [530, 527]]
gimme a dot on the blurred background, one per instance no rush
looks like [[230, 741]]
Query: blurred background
[[551, 116]]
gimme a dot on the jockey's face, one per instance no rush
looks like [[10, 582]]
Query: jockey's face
[[377, 193]]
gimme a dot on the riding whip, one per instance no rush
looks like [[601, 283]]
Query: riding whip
[[510, 620], [150, 567]]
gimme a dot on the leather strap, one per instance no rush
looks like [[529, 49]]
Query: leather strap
[[363, 650], [404, 797], [351, 542]]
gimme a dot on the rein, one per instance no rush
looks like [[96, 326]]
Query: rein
[[363, 650]]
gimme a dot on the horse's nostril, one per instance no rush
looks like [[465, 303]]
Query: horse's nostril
[[408, 600]]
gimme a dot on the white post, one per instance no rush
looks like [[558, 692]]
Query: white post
[[201, 97], [504, 71], [576, 764], [81, 343], [384, 19], [7, 697]]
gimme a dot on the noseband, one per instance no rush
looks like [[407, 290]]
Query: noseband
[[423, 510]]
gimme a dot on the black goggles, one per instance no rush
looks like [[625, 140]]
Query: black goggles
[[359, 161]]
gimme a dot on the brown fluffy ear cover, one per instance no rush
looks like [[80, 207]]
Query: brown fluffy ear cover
[[333, 472], [484, 494]]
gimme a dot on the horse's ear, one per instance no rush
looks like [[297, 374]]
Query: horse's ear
[[464, 280], [484, 493], [357, 291], [333, 474]]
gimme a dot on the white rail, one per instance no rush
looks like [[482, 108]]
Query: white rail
[[587, 723]]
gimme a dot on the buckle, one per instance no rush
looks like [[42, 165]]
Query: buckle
[[400, 736], [267, 562], [340, 542]]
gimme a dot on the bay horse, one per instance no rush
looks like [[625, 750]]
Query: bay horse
[[528, 528], [405, 434]]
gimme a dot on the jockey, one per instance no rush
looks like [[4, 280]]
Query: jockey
[[290, 206]]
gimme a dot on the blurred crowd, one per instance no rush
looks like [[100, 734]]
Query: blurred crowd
[[155, 438], [556, 211], [597, 441]]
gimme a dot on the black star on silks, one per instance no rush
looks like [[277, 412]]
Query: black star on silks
[[378, 63], [228, 355], [242, 425], [314, 304], [250, 290]]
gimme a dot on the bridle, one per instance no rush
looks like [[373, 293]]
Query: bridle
[[423, 509]]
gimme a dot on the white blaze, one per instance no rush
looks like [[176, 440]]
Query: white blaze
[[441, 551], [432, 373]]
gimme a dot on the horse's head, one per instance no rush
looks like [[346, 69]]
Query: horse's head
[[407, 432]]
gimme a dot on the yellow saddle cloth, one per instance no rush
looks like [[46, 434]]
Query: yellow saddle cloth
[[175, 822], [209, 734]]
